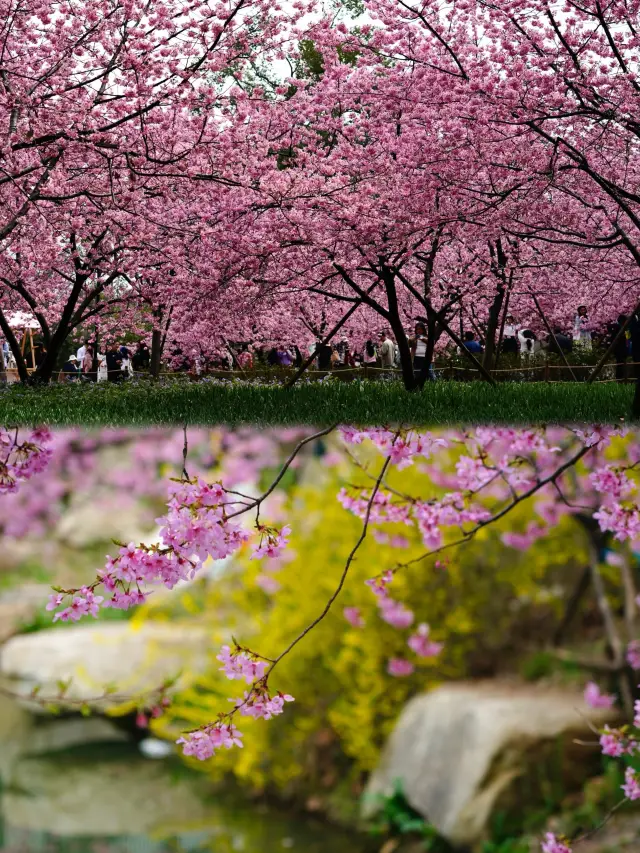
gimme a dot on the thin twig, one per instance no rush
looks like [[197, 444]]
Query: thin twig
[[259, 501], [345, 571], [185, 451], [600, 825]]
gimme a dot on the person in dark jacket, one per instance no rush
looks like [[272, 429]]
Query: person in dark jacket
[[621, 347], [564, 342], [114, 364], [141, 357], [70, 370], [324, 356]]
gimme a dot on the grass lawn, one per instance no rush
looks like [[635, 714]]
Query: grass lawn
[[319, 404]]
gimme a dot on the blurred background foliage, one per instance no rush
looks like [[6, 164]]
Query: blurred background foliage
[[494, 608]]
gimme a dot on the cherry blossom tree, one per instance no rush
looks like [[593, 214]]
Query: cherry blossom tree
[[402, 170], [106, 113], [385, 182]]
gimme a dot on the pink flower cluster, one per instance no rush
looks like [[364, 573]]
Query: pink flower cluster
[[502, 464], [394, 612], [633, 654], [523, 541], [421, 645], [399, 616], [399, 667], [354, 617], [238, 664], [399, 449], [595, 699], [196, 527], [84, 604], [21, 460], [272, 543], [257, 703], [623, 521], [202, 744], [631, 786], [452, 511], [616, 743]]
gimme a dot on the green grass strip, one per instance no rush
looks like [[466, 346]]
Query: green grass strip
[[319, 404]]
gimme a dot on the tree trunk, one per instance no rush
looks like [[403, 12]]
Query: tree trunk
[[498, 267], [432, 338], [44, 373], [406, 362], [14, 346], [492, 328], [156, 353], [158, 339]]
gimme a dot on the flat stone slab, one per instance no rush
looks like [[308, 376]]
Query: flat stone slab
[[133, 658]]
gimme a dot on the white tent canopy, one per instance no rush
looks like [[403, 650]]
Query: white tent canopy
[[22, 320]]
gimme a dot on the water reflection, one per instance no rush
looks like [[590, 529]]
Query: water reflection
[[80, 786]]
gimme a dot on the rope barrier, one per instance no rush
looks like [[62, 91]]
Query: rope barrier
[[345, 371]]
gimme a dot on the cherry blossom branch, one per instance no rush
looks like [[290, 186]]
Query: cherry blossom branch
[[504, 511], [152, 702], [599, 826], [244, 663], [610, 627]]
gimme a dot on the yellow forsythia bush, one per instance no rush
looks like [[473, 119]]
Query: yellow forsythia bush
[[346, 702]]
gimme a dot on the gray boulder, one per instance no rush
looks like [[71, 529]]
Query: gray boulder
[[465, 750]]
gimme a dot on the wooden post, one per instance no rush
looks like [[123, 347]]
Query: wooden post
[[550, 330]]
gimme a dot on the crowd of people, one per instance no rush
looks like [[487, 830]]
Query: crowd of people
[[514, 340], [117, 363], [120, 361]]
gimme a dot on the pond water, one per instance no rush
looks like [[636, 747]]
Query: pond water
[[81, 786]]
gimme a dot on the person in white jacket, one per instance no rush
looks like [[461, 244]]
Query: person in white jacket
[[581, 330], [103, 373], [528, 342]]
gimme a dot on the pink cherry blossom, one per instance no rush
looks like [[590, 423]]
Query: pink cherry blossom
[[399, 667], [631, 785], [354, 617], [553, 844], [395, 613], [595, 699], [633, 654], [422, 645]]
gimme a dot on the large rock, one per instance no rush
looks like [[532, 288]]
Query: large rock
[[133, 658], [464, 750]]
